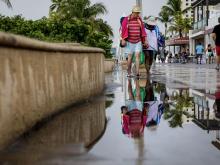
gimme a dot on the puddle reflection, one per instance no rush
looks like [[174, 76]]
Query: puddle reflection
[[149, 123], [143, 107], [179, 108], [66, 134], [207, 113], [147, 102]]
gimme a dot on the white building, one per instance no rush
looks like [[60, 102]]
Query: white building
[[205, 17], [186, 4], [175, 42]]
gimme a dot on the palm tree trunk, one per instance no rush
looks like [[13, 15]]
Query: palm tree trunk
[[180, 33], [165, 30]]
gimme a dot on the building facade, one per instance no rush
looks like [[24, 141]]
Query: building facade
[[175, 43], [186, 4], [205, 17]]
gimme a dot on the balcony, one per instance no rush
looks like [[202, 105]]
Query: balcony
[[199, 24]]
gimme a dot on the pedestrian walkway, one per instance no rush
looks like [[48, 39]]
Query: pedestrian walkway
[[193, 75], [61, 140]]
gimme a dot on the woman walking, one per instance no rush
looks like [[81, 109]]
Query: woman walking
[[133, 36], [210, 54]]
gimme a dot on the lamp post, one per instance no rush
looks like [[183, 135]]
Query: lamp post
[[207, 12], [139, 3]]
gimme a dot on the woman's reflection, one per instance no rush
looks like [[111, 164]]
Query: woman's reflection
[[142, 108], [154, 104], [134, 112]]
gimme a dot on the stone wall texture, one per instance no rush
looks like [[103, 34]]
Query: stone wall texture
[[109, 65], [38, 79], [66, 134]]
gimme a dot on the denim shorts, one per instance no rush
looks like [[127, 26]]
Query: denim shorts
[[132, 104], [133, 48]]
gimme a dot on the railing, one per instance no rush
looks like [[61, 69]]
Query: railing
[[212, 21], [200, 24]]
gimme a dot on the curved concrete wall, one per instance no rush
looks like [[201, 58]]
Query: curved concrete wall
[[109, 65], [38, 79], [67, 133]]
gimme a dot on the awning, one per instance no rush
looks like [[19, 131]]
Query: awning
[[178, 41], [199, 34]]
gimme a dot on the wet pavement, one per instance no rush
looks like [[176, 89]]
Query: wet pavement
[[183, 127]]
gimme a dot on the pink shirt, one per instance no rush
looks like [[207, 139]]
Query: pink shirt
[[134, 31], [124, 29], [136, 120]]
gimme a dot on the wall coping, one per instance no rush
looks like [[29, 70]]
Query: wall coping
[[107, 59], [17, 41]]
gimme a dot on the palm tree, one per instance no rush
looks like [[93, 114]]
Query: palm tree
[[164, 17], [81, 9], [94, 10], [56, 4], [187, 25], [175, 114], [8, 3], [103, 26], [173, 13], [180, 24], [77, 9], [174, 8]]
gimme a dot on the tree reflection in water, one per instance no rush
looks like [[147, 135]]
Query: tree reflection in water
[[176, 111], [109, 100], [175, 107]]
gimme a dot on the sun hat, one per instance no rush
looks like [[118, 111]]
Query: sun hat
[[151, 20], [136, 9]]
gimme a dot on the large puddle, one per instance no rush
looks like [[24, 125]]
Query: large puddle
[[176, 125]]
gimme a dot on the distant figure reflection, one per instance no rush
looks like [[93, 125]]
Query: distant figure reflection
[[216, 108], [216, 105]]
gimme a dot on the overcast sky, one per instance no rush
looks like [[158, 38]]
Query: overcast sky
[[35, 9]]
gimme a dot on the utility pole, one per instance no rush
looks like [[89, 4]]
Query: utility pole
[[207, 12], [139, 3]]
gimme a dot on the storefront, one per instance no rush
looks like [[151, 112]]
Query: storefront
[[175, 45]]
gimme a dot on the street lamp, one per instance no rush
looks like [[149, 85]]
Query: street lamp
[[207, 12], [139, 3]]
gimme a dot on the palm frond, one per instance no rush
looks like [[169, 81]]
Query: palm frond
[[8, 3], [95, 10], [53, 7], [103, 26]]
